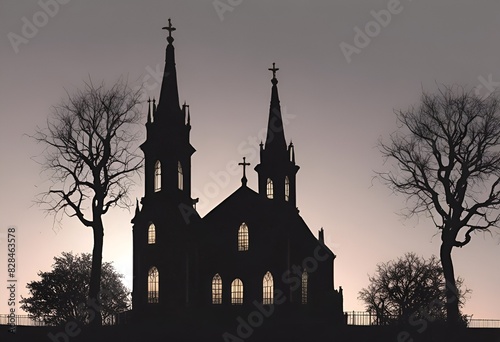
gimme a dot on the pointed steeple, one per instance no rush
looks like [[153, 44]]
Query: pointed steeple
[[168, 103], [275, 139], [277, 168], [167, 149]]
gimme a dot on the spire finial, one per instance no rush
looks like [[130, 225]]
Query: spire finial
[[274, 69], [149, 110], [169, 28], [187, 115], [137, 206], [244, 178]]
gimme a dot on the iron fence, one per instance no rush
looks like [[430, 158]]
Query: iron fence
[[367, 318], [20, 320], [351, 318]]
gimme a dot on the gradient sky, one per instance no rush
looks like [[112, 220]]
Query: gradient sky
[[335, 111]]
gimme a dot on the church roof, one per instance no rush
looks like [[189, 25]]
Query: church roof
[[273, 219]]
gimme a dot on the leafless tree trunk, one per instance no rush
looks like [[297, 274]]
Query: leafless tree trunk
[[447, 162], [90, 158]]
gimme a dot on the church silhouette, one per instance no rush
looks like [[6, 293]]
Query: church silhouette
[[250, 252]]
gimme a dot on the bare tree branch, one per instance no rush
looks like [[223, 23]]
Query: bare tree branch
[[447, 162], [90, 158]]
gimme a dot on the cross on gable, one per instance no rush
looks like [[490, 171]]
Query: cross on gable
[[273, 69], [244, 164]]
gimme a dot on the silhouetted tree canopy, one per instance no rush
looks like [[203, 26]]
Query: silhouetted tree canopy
[[90, 158], [61, 294], [410, 287], [446, 160]]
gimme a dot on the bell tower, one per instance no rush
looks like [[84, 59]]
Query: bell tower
[[167, 150], [163, 248], [277, 169]]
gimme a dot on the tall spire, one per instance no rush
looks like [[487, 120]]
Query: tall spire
[[277, 169], [168, 103], [275, 139]]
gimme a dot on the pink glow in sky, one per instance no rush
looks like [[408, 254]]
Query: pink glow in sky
[[335, 108]]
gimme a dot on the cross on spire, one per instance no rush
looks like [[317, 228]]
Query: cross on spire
[[170, 29], [273, 69], [244, 178]]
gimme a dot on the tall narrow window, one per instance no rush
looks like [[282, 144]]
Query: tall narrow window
[[151, 234], [243, 237], [287, 189], [157, 182], [304, 287], [153, 285], [180, 176], [267, 289], [237, 292], [269, 188], [217, 289]]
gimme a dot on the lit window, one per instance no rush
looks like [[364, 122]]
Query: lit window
[[153, 285], [157, 176], [243, 237], [267, 289], [287, 189], [217, 289], [304, 287], [269, 188], [151, 234], [237, 292], [180, 176]]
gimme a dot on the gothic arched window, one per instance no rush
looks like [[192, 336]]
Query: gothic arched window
[[157, 179], [217, 289], [304, 287], [237, 292], [267, 289], [243, 237], [180, 176], [287, 189], [269, 188], [151, 234], [153, 285]]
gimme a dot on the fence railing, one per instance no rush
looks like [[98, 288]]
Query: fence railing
[[26, 320], [351, 318], [20, 320], [484, 323], [367, 318]]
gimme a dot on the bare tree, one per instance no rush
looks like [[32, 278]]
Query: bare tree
[[90, 144], [408, 289], [447, 163]]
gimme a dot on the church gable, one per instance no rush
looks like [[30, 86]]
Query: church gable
[[274, 238]]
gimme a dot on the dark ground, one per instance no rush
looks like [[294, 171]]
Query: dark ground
[[263, 334], [239, 327]]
